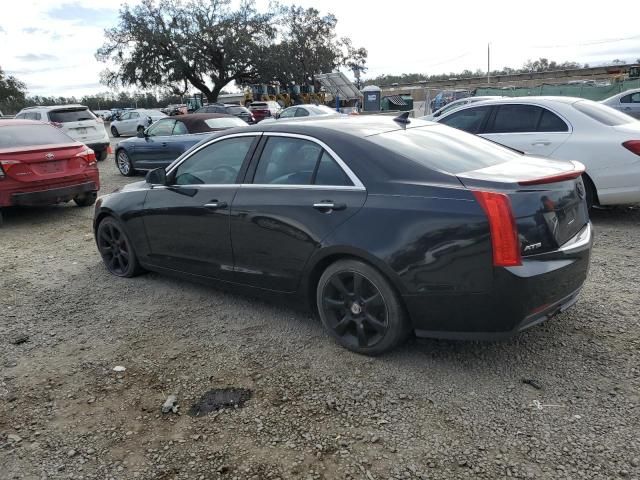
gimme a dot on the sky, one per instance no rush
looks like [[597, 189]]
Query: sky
[[51, 44]]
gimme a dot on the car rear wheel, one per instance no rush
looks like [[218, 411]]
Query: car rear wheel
[[123, 162], [101, 155], [114, 131], [116, 250], [360, 309], [590, 191], [86, 199], [140, 129]]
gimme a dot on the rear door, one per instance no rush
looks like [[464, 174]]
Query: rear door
[[77, 122], [529, 128], [296, 193]]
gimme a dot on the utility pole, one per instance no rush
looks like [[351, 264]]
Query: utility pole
[[488, 63]]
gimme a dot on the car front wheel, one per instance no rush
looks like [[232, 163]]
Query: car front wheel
[[116, 250], [114, 131], [123, 162], [360, 309]]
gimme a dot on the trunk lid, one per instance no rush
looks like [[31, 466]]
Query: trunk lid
[[44, 162], [547, 197]]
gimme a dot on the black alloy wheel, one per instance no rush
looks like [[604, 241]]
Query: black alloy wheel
[[116, 250], [360, 309]]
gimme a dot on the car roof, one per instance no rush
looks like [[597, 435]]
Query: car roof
[[531, 99], [55, 107], [356, 125], [17, 121]]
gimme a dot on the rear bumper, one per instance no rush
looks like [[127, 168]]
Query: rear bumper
[[98, 146], [52, 195], [519, 297]]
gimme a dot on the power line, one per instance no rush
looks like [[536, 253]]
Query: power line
[[586, 44]]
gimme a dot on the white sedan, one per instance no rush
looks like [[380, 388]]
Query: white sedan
[[627, 102], [130, 122], [606, 141], [302, 111]]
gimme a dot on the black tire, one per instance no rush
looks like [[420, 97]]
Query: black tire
[[116, 249], [360, 309], [590, 192], [101, 155], [114, 131], [86, 199], [1, 218], [140, 129], [124, 164]]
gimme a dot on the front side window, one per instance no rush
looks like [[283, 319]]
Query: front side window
[[470, 119], [134, 115], [216, 164], [125, 116], [289, 112], [302, 112], [516, 119], [180, 128], [631, 98], [161, 128]]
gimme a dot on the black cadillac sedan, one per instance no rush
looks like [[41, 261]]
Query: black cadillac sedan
[[382, 226]]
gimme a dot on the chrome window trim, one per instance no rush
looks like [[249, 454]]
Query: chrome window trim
[[302, 187], [357, 184]]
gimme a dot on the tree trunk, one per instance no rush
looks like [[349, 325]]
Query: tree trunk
[[212, 96]]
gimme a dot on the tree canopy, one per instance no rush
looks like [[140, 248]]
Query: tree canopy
[[12, 92], [208, 44]]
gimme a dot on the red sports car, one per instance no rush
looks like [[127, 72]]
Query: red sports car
[[40, 165]]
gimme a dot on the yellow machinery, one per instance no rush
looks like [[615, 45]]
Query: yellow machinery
[[291, 96]]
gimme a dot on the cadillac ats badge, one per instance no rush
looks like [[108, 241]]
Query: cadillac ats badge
[[49, 156]]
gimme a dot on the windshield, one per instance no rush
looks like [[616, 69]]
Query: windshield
[[225, 122], [443, 148], [31, 135], [603, 114], [71, 115]]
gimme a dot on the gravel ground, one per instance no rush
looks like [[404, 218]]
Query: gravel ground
[[559, 401]]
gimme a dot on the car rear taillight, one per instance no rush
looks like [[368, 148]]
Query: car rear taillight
[[56, 124], [5, 165], [633, 146], [89, 156], [502, 225]]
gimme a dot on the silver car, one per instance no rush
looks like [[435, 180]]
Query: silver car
[[306, 110], [130, 122], [457, 104], [627, 102]]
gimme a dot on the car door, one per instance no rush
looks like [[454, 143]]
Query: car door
[[296, 193], [630, 104], [288, 112], [153, 150], [187, 222], [132, 123], [529, 128]]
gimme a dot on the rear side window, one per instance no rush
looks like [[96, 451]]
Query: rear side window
[[602, 114], [71, 115], [515, 119], [224, 122], [470, 119], [16, 136], [330, 173], [444, 149], [236, 110], [550, 122]]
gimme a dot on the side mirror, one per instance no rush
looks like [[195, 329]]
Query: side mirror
[[157, 177]]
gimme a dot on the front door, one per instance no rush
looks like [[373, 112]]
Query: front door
[[153, 151], [187, 222], [298, 195]]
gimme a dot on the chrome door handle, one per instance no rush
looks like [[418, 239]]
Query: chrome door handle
[[542, 143], [214, 204], [329, 205]]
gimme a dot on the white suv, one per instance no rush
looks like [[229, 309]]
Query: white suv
[[77, 121]]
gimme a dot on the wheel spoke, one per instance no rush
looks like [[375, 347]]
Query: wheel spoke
[[124, 254], [112, 262], [106, 250], [334, 304], [357, 285], [339, 285], [374, 300], [104, 235], [362, 335], [122, 264], [376, 324], [342, 325]]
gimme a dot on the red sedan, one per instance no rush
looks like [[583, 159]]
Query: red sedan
[[40, 165]]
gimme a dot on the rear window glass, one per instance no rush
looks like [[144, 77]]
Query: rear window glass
[[445, 149], [259, 105], [603, 114], [236, 110], [71, 115], [224, 122], [27, 135]]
